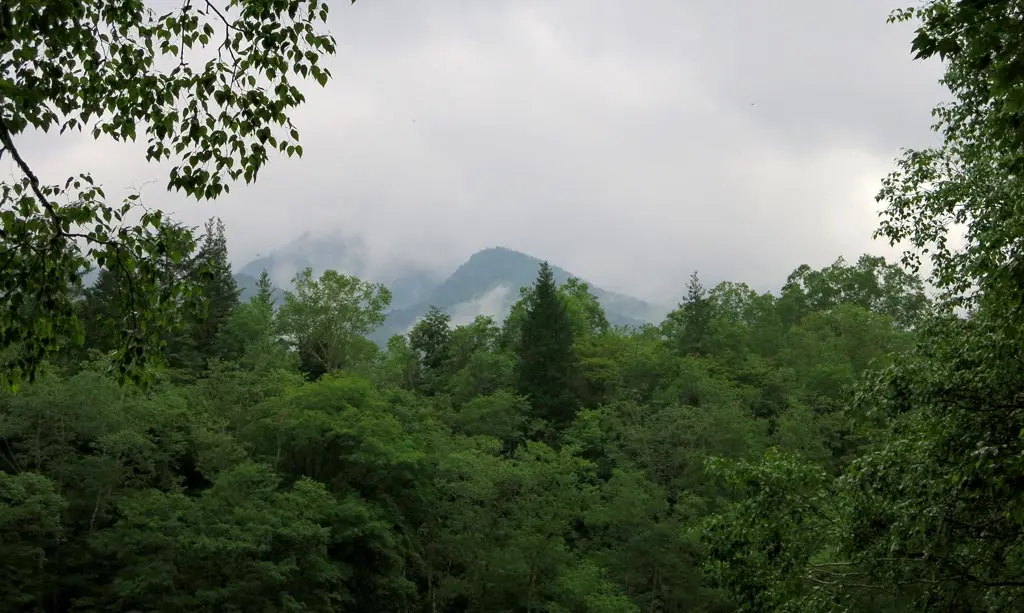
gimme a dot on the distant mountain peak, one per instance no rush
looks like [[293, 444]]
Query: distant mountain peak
[[506, 255], [345, 254], [486, 283], [500, 250]]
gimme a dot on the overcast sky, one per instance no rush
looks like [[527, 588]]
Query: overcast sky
[[629, 142]]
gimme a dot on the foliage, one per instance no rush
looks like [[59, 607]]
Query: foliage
[[871, 283], [422, 478], [213, 269], [687, 326], [844, 444], [547, 361], [210, 85], [970, 182], [429, 339], [326, 320], [925, 515]]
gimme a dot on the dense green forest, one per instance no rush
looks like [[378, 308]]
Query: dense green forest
[[846, 443], [281, 461]]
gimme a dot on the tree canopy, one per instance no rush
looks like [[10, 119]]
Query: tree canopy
[[845, 443], [210, 87]]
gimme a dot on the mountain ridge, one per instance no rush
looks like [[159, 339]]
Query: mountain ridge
[[487, 283]]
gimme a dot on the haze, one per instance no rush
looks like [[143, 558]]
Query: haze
[[630, 143]]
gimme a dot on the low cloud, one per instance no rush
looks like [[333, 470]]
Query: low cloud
[[628, 143]]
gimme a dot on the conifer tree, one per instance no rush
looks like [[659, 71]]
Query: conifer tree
[[687, 327], [265, 290], [219, 285], [100, 312], [211, 269], [109, 308], [122, 71], [547, 367], [429, 339]]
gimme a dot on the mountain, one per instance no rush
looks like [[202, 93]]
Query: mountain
[[247, 288], [488, 284], [408, 281]]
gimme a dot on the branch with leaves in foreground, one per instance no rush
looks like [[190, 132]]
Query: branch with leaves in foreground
[[95, 66]]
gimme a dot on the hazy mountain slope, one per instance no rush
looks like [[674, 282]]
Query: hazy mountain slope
[[247, 287], [409, 282], [488, 284]]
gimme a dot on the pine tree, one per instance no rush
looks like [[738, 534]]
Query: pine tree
[[547, 367], [688, 326], [429, 339], [211, 268], [219, 286], [265, 290], [108, 309], [249, 335], [101, 313]]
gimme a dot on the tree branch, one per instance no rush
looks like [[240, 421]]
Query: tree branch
[[8, 145]]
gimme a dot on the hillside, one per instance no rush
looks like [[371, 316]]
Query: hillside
[[486, 284], [407, 280]]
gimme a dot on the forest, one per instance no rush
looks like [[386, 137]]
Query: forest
[[851, 442], [278, 460]]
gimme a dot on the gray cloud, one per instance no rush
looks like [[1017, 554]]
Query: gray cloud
[[627, 142]]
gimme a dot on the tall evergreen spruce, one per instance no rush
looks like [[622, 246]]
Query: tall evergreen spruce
[[212, 270], [698, 316], [219, 286], [547, 365], [265, 290], [101, 314], [430, 340], [687, 327]]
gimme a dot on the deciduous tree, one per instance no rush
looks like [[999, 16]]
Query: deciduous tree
[[209, 85], [326, 320]]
